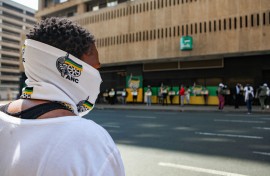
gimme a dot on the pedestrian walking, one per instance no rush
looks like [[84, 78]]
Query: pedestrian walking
[[182, 95], [187, 94], [134, 94], [267, 101], [221, 96], [171, 95], [148, 95], [261, 93], [237, 95], [164, 91], [249, 95], [112, 96], [124, 96]]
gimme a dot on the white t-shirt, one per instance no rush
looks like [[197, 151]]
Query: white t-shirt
[[248, 90], [63, 146]]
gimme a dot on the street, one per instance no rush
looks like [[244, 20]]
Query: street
[[166, 143]]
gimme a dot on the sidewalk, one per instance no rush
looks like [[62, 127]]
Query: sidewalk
[[178, 108]]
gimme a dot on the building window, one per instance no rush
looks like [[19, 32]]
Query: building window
[[95, 8], [224, 24], [246, 21], [263, 18], [240, 22], [258, 19], [111, 4], [215, 26], [210, 26], [252, 20], [235, 23]]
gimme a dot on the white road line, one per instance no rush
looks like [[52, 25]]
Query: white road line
[[261, 153], [141, 117], [110, 126], [165, 113], [247, 115], [198, 169], [239, 121], [262, 128], [229, 135]]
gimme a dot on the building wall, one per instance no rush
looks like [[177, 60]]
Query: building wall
[[152, 28], [218, 28], [15, 20]]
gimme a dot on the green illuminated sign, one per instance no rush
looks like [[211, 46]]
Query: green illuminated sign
[[186, 43]]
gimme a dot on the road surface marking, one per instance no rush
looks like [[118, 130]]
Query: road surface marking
[[141, 117], [198, 169], [239, 121], [261, 153], [262, 128], [229, 135], [111, 126], [166, 113], [247, 115]]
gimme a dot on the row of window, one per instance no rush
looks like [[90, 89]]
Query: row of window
[[8, 57], [18, 18], [8, 40], [6, 48], [246, 21], [133, 9], [10, 7], [9, 32]]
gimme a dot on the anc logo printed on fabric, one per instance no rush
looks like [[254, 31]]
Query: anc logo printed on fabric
[[27, 92], [23, 50], [68, 68], [84, 105], [68, 106]]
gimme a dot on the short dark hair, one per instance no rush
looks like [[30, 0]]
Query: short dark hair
[[63, 34]]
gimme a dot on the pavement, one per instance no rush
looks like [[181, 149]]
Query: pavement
[[176, 108]]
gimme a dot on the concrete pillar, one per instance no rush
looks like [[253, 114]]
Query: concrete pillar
[[81, 8]]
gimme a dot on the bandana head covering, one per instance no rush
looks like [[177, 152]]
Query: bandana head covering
[[55, 75]]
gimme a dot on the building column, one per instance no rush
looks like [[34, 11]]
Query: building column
[[81, 8]]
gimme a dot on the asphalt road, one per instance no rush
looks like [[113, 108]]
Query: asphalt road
[[163, 143]]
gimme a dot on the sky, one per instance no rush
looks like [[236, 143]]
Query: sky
[[29, 3]]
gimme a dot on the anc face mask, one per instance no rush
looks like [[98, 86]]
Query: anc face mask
[[55, 75]]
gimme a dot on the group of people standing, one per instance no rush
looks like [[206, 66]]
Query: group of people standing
[[165, 91], [247, 93]]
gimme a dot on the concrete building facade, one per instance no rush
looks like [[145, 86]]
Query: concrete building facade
[[15, 20], [142, 38]]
